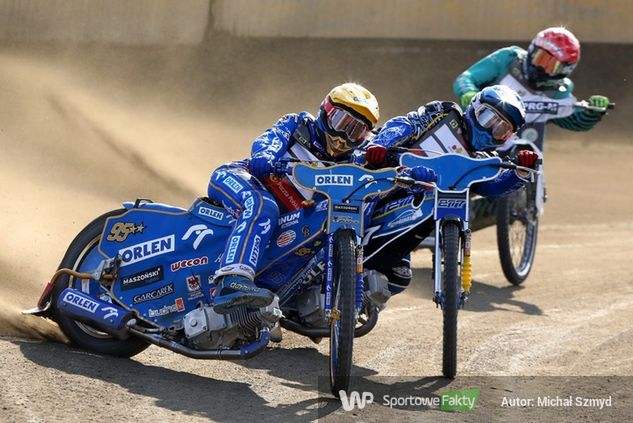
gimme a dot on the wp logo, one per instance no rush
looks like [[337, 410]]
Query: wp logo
[[355, 399]]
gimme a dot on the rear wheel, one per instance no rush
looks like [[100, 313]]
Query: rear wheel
[[451, 293], [82, 256], [517, 230], [343, 318]]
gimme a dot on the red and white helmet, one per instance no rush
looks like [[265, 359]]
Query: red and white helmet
[[553, 54]]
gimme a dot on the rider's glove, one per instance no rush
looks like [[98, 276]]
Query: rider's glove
[[466, 97], [261, 166], [423, 174], [376, 155], [527, 158], [599, 101]]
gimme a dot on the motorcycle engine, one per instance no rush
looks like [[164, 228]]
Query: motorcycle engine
[[311, 307], [311, 302], [376, 289], [205, 329]]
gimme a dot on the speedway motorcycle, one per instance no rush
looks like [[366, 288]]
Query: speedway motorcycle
[[452, 267], [143, 274], [517, 215]]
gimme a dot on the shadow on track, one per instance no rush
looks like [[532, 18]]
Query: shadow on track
[[483, 297]]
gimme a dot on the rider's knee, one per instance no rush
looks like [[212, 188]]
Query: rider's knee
[[399, 277], [270, 209]]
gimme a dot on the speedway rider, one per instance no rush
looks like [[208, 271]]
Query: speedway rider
[[493, 117], [248, 191], [539, 76]]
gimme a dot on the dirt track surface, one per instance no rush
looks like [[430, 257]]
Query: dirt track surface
[[60, 141]]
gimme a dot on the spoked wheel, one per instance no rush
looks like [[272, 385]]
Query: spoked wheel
[[343, 318], [451, 293], [517, 230], [82, 256]]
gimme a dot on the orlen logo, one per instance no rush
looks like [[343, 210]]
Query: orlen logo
[[214, 214], [452, 204], [81, 302], [355, 399], [145, 250], [340, 180]]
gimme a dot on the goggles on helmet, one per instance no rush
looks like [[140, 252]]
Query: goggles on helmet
[[547, 62], [490, 119], [342, 122]]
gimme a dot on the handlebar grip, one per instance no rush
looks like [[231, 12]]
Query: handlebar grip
[[585, 105], [405, 180], [506, 165]]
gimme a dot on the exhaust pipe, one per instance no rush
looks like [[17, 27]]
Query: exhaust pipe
[[325, 332], [242, 353], [95, 312]]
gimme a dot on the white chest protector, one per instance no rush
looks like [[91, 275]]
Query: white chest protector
[[540, 107], [297, 151], [443, 139]]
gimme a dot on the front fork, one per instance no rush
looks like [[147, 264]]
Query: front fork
[[329, 276], [541, 197], [465, 260], [359, 277]]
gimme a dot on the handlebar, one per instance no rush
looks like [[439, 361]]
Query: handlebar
[[585, 105], [282, 166], [407, 181]]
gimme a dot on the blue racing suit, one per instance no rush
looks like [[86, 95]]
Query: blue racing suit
[[410, 131], [249, 200], [550, 100], [255, 203]]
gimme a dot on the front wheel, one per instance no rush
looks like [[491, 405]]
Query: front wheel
[[451, 286], [517, 230], [343, 318], [82, 256]]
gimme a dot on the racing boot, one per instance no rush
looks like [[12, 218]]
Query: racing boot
[[237, 290], [276, 335], [400, 276]]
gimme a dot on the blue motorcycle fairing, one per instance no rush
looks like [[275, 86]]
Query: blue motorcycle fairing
[[452, 204], [346, 186], [128, 205], [399, 215], [297, 238], [215, 214], [454, 171], [168, 258]]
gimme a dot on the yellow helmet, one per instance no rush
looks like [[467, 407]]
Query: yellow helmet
[[348, 114]]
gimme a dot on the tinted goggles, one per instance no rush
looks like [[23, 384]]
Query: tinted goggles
[[547, 62], [490, 119], [344, 123]]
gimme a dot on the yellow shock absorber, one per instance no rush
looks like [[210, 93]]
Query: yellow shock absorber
[[467, 269]]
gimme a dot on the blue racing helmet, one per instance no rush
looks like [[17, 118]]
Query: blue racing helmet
[[493, 116]]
